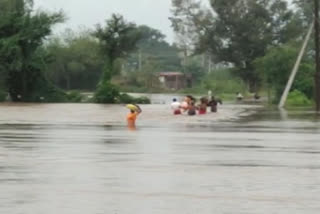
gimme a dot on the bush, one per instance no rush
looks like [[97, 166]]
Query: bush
[[126, 98], [3, 96], [142, 100], [275, 68], [304, 81], [109, 93], [297, 98], [48, 94], [106, 93], [194, 90], [75, 97], [223, 81]]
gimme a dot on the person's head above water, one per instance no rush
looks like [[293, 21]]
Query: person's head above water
[[174, 100], [204, 100], [190, 98]]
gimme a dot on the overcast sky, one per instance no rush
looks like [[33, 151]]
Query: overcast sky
[[88, 13]]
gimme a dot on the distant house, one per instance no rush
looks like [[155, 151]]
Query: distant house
[[175, 80]]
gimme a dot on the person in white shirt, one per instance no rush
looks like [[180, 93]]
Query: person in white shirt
[[239, 96], [175, 105]]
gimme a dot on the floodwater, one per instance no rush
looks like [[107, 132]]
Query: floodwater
[[82, 159]]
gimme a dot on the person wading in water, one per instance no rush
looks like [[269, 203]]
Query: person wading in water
[[214, 104], [203, 106], [175, 105], [132, 116]]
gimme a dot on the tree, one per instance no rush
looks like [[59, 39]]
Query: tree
[[239, 31], [275, 69], [194, 68], [190, 21], [76, 61], [247, 29], [22, 32], [304, 11], [148, 74], [153, 55], [152, 46], [117, 39]]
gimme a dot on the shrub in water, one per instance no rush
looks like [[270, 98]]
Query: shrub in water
[[126, 98], [297, 98], [142, 100], [106, 93], [74, 97]]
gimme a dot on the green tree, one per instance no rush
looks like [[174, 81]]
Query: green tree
[[190, 20], [305, 11], [247, 29], [22, 32], [116, 40], [152, 46], [148, 74], [276, 65], [194, 68], [237, 31], [76, 61], [153, 55]]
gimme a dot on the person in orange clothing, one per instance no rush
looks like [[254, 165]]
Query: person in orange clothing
[[132, 117]]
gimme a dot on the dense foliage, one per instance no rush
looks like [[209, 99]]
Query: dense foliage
[[2, 96], [116, 40], [22, 58], [237, 31], [275, 68], [227, 46], [297, 98], [224, 81], [75, 61]]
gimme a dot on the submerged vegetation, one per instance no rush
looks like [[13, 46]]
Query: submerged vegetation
[[297, 98]]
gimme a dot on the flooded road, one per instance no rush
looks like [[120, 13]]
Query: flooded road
[[81, 159]]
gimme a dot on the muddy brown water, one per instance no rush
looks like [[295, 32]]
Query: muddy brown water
[[82, 159]]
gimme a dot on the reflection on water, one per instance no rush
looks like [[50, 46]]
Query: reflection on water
[[62, 164]]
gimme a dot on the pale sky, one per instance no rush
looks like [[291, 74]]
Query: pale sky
[[88, 13]]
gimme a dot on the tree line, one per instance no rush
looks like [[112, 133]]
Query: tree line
[[258, 39], [254, 41], [36, 66]]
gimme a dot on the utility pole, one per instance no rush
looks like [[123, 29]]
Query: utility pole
[[295, 68], [317, 59]]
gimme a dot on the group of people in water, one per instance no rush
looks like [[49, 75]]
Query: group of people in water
[[190, 107]]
